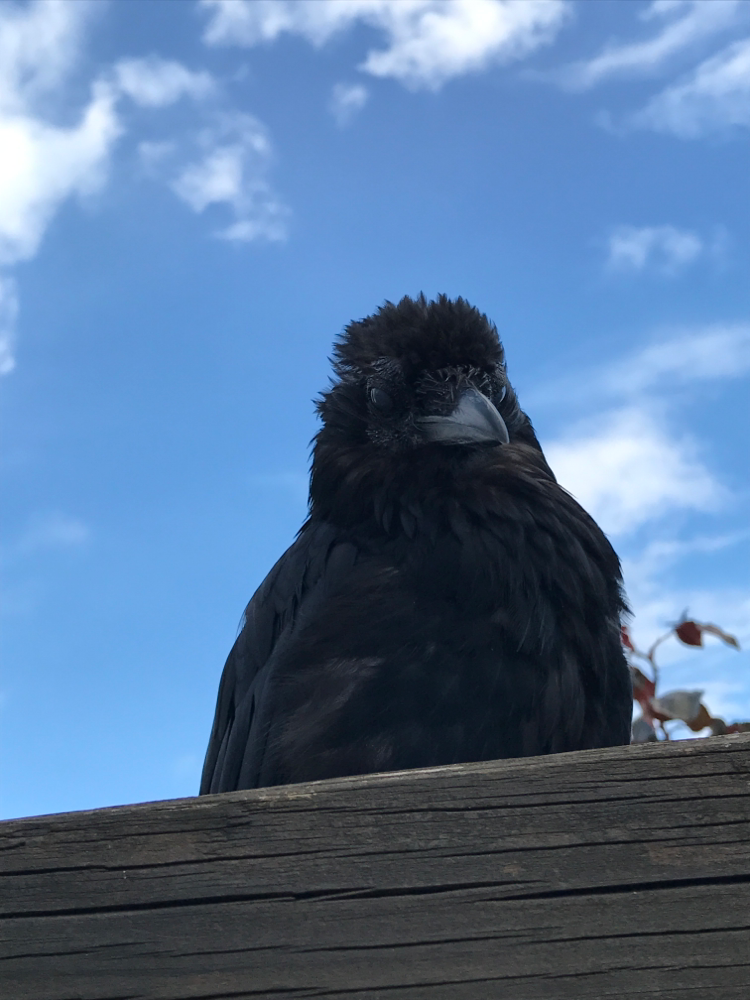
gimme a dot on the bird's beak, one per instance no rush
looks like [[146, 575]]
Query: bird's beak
[[474, 421]]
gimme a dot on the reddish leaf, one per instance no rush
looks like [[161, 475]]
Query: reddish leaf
[[643, 692], [690, 633], [720, 633], [625, 638], [643, 687]]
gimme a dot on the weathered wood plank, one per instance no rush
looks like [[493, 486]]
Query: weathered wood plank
[[622, 872]]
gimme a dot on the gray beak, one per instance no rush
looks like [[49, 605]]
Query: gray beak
[[474, 421]]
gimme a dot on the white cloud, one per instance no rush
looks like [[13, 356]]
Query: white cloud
[[688, 23], [216, 178], [39, 44], [665, 249], [624, 463], [628, 470], [236, 22], [41, 165], [428, 41], [155, 83], [232, 172], [462, 36], [714, 97], [347, 100]]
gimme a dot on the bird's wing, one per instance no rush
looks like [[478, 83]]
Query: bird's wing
[[317, 563]]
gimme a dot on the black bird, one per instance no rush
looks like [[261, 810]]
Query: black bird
[[446, 600]]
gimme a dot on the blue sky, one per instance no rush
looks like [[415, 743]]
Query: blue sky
[[196, 197]]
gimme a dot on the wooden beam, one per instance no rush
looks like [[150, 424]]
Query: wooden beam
[[608, 873]]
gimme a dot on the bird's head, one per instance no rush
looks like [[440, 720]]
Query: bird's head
[[418, 384]]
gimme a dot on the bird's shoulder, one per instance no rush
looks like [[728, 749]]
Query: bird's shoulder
[[315, 566]]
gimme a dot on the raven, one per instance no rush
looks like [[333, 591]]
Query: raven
[[446, 600]]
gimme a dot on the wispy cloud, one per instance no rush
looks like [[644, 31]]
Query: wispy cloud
[[681, 26], [661, 554], [347, 100], [53, 530], [296, 484], [8, 317], [232, 172], [154, 82], [428, 41], [712, 98], [665, 249], [44, 534], [154, 154], [234, 151], [672, 358], [717, 351]]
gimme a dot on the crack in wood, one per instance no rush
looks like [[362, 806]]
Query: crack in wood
[[359, 893]]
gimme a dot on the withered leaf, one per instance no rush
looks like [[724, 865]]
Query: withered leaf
[[690, 633]]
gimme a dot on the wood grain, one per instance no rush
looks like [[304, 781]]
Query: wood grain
[[607, 873]]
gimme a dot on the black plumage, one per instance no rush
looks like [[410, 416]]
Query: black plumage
[[446, 600]]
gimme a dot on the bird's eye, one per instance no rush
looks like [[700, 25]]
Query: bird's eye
[[381, 400]]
